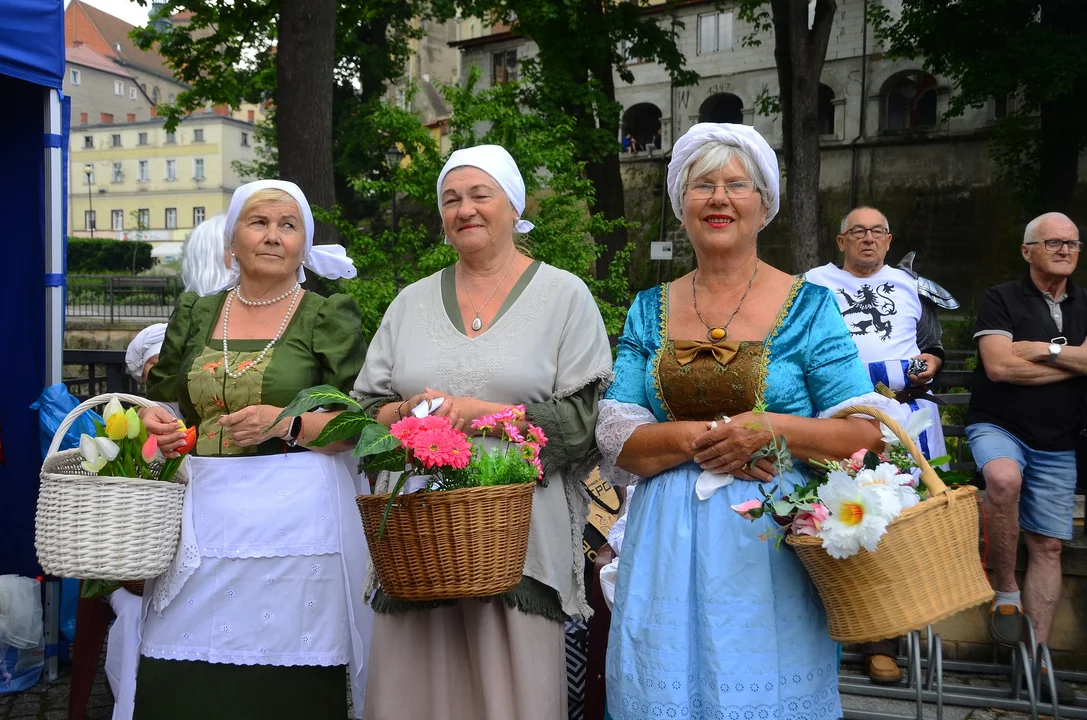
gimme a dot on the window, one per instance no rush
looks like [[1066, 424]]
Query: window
[[198, 168], [171, 138], [117, 218], [198, 214], [115, 140], [1004, 106], [75, 76], [88, 142], [714, 32], [155, 96], [132, 93], [118, 88], [171, 169], [83, 118], [910, 102], [198, 135], [170, 97], [503, 67], [628, 57], [118, 174], [143, 139], [143, 171], [245, 139], [143, 218], [88, 220], [171, 218]]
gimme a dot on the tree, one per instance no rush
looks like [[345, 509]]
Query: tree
[[799, 52], [315, 63], [1029, 53], [580, 51]]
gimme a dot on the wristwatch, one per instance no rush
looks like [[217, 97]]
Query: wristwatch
[[1055, 346], [291, 438]]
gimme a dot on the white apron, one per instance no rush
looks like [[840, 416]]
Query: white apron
[[270, 569]]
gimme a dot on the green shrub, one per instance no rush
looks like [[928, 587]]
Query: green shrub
[[91, 257]]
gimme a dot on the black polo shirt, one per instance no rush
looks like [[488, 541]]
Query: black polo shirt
[[1045, 417]]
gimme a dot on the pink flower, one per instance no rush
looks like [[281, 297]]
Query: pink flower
[[512, 432], [406, 429], [150, 448], [749, 509], [536, 435], [530, 451], [539, 468], [515, 413], [484, 423], [434, 448], [810, 522]]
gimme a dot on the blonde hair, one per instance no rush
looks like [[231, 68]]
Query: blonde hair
[[264, 196]]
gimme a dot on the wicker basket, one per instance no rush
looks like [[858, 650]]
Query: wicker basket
[[927, 566], [109, 528], [450, 544]]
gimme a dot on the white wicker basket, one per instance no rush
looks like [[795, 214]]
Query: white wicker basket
[[108, 528]]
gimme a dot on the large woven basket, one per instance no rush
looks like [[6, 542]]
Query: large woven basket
[[927, 566], [450, 544], [108, 528]]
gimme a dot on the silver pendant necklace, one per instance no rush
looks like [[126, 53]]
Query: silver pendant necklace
[[477, 324]]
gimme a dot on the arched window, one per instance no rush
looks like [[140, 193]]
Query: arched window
[[910, 101], [155, 95], [643, 123], [826, 110], [722, 108]]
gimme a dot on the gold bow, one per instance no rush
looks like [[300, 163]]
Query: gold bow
[[688, 350]]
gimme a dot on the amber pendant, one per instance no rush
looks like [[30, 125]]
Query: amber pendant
[[477, 324], [717, 334]]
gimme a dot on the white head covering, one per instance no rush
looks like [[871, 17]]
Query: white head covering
[[203, 268], [328, 261], [498, 163], [143, 347], [742, 136]]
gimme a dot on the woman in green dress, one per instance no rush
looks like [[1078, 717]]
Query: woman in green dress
[[260, 612], [495, 329]]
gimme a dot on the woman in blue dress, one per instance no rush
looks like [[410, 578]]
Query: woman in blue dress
[[710, 619]]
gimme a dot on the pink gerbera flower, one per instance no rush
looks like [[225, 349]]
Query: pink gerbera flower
[[433, 448], [536, 435], [406, 429], [512, 432], [484, 423]]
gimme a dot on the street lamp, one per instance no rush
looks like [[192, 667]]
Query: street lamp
[[88, 170], [392, 161]]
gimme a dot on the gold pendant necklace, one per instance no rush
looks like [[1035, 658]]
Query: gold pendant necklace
[[719, 333]]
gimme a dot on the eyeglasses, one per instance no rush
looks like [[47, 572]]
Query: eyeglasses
[[737, 189], [857, 232], [1055, 245]]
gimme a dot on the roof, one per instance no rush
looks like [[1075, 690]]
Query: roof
[[108, 36], [477, 41], [84, 55]]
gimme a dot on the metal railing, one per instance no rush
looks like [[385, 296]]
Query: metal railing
[[122, 296], [92, 372]]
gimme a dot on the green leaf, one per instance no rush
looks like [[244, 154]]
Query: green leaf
[[345, 425], [393, 461], [97, 588], [375, 439], [954, 477], [783, 508], [315, 397], [940, 460]]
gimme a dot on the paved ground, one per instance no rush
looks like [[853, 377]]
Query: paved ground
[[50, 702]]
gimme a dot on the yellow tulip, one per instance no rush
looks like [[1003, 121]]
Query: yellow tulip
[[116, 426], [133, 422]]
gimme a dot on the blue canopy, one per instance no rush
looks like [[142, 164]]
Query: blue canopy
[[32, 183]]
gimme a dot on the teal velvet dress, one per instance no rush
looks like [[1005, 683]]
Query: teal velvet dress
[[710, 619]]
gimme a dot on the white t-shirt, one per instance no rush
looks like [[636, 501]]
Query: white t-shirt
[[881, 311]]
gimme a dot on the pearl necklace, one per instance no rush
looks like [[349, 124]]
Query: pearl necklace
[[268, 347], [261, 303]]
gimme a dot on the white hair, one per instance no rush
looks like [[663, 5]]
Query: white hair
[[718, 155], [1029, 234], [845, 219], [203, 265]]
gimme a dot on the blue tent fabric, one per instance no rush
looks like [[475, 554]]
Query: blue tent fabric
[[31, 67], [32, 41]]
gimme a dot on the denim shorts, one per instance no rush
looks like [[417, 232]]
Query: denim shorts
[[1049, 478]]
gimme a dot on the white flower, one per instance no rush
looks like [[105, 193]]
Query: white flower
[[916, 423], [92, 458], [897, 487], [107, 448], [859, 514]]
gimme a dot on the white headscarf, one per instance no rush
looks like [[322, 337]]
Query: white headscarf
[[742, 136], [146, 345], [328, 261], [498, 163], [203, 266]]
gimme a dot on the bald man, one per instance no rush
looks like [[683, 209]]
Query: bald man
[[1026, 410]]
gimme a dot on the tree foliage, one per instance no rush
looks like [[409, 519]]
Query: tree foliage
[[1030, 53], [554, 179], [92, 257]]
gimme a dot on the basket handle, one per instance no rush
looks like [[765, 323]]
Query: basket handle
[[86, 405], [929, 477]]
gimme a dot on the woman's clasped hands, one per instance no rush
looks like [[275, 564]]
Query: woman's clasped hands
[[726, 446]]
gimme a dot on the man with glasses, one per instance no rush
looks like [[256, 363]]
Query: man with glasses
[[1025, 413], [892, 315]]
